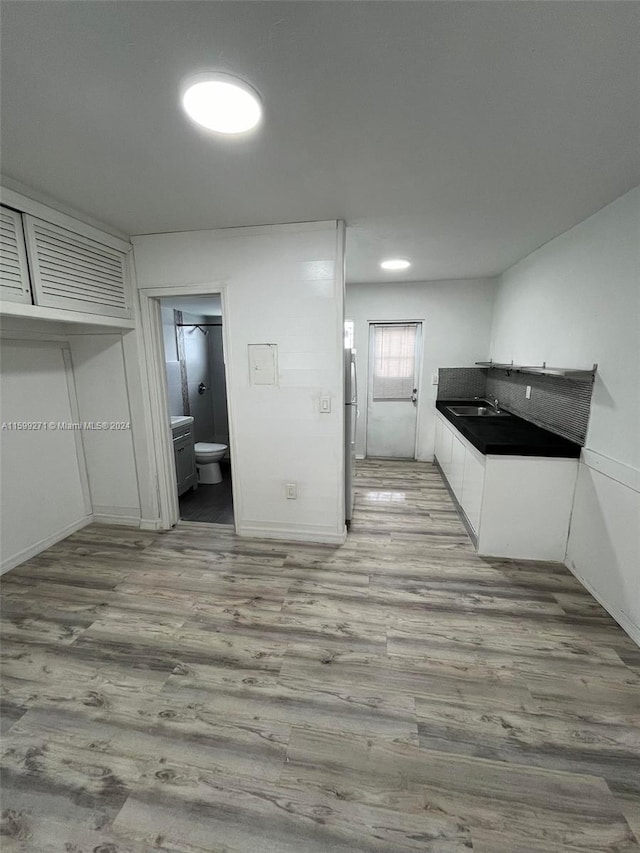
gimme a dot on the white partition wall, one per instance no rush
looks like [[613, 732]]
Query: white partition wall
[[281, 285]]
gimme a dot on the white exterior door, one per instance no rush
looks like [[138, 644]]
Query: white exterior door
[[392, 407]]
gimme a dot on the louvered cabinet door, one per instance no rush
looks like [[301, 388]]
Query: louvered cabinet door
[[14, 272], [74, 272]]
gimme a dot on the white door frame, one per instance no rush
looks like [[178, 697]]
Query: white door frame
[[152, 358], [370, 324]]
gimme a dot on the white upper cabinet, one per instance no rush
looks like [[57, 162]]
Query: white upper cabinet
[[14, 273], [74, 272]]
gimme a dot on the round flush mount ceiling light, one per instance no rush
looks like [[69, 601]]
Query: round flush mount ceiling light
[[221, 103], [395, 264]]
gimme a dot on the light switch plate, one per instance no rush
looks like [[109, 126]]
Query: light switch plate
[[325, 404]]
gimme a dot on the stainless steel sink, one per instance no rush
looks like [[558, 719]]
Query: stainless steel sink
[[476, 412]]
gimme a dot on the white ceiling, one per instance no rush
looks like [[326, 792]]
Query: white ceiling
[[460, 134]]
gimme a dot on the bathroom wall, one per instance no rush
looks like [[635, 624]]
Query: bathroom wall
[[194, 345], [218, 384], [172, 365], [203, 361]]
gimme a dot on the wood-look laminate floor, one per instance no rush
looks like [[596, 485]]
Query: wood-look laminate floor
[[190, 691]]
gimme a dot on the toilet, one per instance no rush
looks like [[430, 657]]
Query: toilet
[[208, 458]]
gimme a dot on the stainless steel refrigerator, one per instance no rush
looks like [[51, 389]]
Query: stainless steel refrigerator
[[350, 422]]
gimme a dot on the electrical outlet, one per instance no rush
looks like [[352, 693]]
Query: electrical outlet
[[527, 393], [325, 404], [291, 491]]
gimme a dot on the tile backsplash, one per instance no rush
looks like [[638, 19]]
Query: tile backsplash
[[560, 405], [461, 383]]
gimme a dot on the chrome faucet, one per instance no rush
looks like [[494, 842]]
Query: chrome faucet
[[496, 405]]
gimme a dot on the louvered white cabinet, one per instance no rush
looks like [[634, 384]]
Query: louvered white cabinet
[[73, 272], [14, 272]]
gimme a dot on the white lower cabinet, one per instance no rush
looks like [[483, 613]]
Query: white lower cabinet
[[472, 487], [456, 476], [444, 440], [517, 506]]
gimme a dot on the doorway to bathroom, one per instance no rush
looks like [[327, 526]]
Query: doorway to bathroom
[[192, 336]]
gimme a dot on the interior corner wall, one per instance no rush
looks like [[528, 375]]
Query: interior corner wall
[[44, 496], [103, 398], [282, 285], [456, 318], [573, 302]]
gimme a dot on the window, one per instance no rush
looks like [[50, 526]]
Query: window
[[394, 361]]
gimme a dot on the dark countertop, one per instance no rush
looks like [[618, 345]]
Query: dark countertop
[[510, 436]]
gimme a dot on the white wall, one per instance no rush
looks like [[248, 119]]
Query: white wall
[[456, 318], [101, 386], [44, 493], [282, 285], [573, 302]]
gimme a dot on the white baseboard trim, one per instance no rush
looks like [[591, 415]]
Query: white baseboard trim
[[286, 534], [33, 550], [129, 516], [151, 524], [621, 618], [121, 520]]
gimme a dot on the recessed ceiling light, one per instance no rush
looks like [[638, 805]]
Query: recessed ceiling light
[[395, 264], [221, 103]]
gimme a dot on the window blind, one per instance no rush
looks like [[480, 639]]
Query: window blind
[[394, 361]]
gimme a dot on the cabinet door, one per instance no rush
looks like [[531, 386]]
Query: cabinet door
[[443, 446], [185, 462], [456, 473], [472, 484], [14, 272], [73, 272], [438, 445]]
